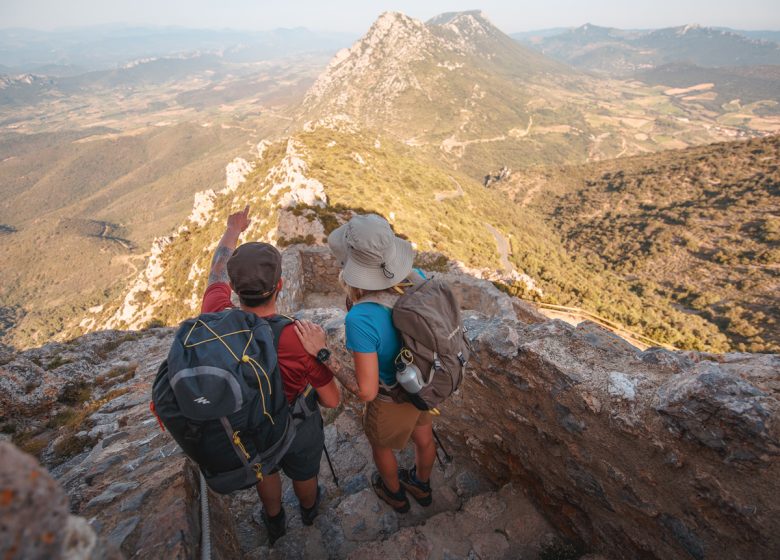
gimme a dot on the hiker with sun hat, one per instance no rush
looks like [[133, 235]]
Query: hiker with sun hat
[[375, 261]]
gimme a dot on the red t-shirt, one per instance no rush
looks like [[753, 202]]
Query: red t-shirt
[[297, 366]]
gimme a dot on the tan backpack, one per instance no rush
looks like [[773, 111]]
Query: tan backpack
[[427, 315]]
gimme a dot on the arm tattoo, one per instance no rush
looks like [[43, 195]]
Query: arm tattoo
[[345, 375], [218, 271]]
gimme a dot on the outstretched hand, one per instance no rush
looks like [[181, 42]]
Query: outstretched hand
[[312, 337], [239, 221]]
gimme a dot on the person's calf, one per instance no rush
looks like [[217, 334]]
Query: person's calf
[[387, 465], [270, 491], [425, 456], [306, 491]]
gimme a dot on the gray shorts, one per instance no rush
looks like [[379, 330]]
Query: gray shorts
[[302, 460]]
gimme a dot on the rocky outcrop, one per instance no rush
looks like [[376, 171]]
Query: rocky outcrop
[[501, 175], [34, 519], [120, 471]]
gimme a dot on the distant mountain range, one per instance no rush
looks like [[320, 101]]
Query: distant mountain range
[[460, 88], [76, 51], [535, 35], [619, 52]]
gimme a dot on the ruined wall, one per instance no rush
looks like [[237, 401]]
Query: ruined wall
[[653, 454]]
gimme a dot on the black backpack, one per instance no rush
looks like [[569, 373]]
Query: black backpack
[[219, 393]]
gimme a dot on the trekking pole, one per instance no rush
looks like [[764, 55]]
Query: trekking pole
[[330, 464], [447, 456]]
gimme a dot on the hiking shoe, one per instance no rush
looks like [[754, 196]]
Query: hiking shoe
[[275, 526], [308, 514], [396, 500], [420, 491]]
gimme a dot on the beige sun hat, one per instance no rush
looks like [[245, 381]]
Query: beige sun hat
[[372, 256]]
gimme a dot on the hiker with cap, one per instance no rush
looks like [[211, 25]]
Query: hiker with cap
[[254, 272], [375, 262]]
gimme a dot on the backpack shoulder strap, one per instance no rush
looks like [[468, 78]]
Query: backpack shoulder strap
[[278, 322], [384, 299]]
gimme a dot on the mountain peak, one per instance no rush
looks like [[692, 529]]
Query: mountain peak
[[403, 58], [590, 29], [452, 17], [473, 23], [391, 23], [392, 41], [688, 27]]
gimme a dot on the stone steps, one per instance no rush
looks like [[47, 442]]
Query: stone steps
[[468, 516]]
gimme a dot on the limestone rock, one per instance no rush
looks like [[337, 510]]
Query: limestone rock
[[33, 508], [34, 518], [745, 430]]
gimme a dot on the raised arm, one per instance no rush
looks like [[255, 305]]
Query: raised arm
[[236, 224]]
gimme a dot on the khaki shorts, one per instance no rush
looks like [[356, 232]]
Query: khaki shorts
[[390, 424]]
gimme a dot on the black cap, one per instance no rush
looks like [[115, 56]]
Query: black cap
[[254, 269]]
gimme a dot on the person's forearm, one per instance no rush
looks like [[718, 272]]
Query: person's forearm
[[225, 248], [345, 376]]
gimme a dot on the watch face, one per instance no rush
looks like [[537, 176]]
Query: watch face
[[323, 355]]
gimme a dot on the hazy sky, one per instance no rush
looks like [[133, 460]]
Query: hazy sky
[[356, 15]]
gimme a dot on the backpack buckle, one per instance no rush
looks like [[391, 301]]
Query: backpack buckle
[[258, 468]]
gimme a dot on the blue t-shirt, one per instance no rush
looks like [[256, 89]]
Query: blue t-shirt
[[369, 328]]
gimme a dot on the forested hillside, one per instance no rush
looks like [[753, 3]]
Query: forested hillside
[[699, 227]]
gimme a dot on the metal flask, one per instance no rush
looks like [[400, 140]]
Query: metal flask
[[410, 377]]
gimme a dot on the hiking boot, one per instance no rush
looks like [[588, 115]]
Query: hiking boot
[[308, 514], [420, 491], [275, 526], [396, 500]]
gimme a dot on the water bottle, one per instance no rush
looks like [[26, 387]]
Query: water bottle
[[410, 377]]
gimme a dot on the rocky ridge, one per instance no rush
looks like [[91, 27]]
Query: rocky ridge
[[422, 67], [619, 52], [576, 402], [284, 185]]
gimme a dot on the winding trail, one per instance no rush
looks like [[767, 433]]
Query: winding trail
[[444, 195], [503, 248], [527, 197]]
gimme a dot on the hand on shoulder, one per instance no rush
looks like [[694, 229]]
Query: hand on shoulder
[[312, 336]]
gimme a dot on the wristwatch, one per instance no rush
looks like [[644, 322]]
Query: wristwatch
[[323, 355]]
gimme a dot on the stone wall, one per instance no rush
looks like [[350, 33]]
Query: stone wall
[[293, 289], [320, 270], [655, 454], [634, 454]]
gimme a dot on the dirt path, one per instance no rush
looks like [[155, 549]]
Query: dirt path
[[593, 153], [523, 133], [451, 145], [527, 197], [129, 260], [624, 147], [444, 195], [502, 245]]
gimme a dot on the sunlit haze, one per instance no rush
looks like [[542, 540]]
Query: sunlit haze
[[355, 16]]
